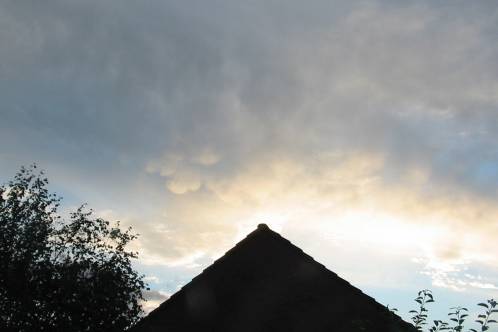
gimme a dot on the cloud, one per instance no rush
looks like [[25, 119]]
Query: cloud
[[152, 279], [196, 121], [153, 299], [155, 296], [183, 182]]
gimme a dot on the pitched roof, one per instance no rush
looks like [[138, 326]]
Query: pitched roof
[[265, 283]]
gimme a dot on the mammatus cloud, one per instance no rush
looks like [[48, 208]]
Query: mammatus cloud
[[336, 196], [342, 125]]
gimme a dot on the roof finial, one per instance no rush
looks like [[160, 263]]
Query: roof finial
[[263, 226]]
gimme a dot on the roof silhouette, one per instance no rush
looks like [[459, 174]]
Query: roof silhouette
[[265, 283]]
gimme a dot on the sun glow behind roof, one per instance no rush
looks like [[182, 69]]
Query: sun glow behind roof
[[374, 230]]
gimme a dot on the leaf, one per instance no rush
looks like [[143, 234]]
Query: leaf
[[483, 305]]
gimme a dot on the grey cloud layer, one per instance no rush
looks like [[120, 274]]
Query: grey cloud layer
[[103, 91]]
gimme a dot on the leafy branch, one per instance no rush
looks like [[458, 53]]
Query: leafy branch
[[458, 316], [420, 316], [484, 319], [439, 325]]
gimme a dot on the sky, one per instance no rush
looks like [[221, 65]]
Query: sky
[[365, 132]]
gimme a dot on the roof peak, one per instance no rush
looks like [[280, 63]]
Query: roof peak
[[266, 283], [263, 226]]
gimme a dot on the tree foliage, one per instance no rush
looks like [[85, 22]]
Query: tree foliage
[[457, 315], [62, 275], [485, 319], [420, 315]]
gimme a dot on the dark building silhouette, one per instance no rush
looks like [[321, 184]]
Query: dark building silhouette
[[265, 283]]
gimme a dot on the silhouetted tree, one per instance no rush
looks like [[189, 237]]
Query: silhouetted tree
[[62, 275]]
